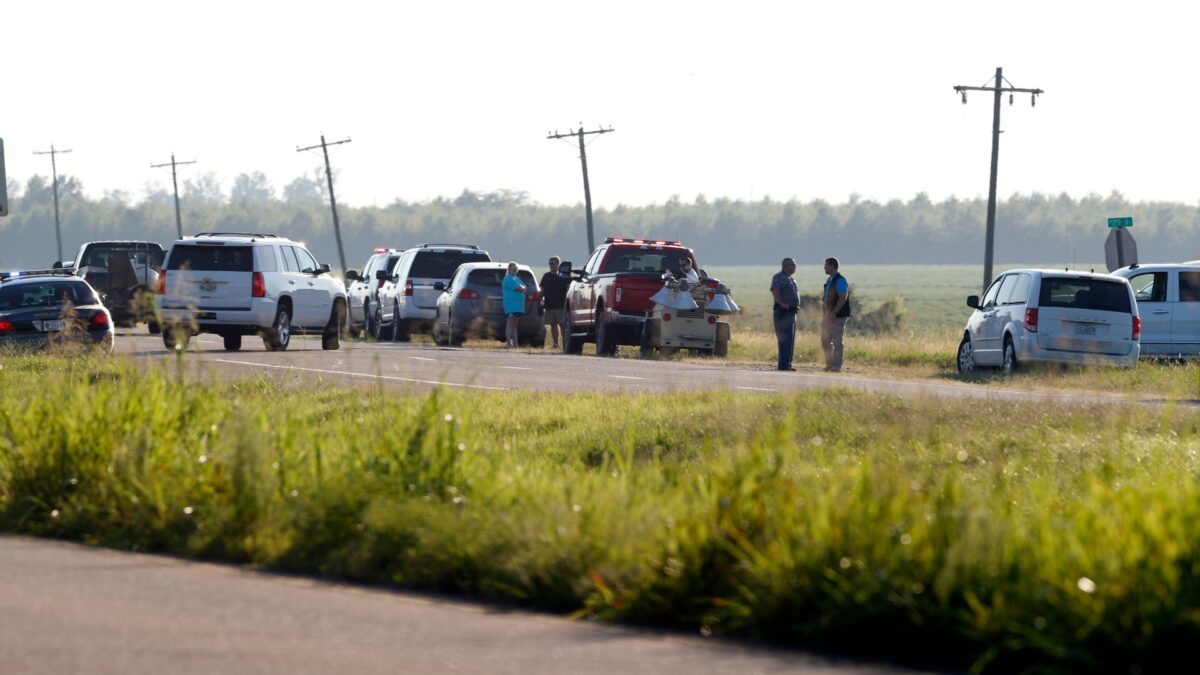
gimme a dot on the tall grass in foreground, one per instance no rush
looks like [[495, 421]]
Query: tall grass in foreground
[[998, 537]]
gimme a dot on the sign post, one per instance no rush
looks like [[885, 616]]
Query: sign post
[[1120, 250]]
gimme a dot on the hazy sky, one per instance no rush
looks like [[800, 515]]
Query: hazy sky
[[738, 99]]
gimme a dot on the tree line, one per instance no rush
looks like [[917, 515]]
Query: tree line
[[1035, 228]]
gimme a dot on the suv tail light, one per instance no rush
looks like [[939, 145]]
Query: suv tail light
[[617, 291], [100, 320], [1137, 328], [466, 294], [257, 288], [408, 289], [1031, 320], [160, 286], [5, 326]]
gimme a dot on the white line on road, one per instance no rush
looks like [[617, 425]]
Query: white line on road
[[755, 388], [626, 377], [514, 367], [421, 358], [353, 374]]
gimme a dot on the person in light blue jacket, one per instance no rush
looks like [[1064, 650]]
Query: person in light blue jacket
[[514, 304]]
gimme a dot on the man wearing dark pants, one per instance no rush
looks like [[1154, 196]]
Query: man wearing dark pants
[[554, 299], [787, 303], [835, 304]]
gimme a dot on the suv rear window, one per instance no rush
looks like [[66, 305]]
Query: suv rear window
[[1101, 294], [211, 258], [494, 278], [433, 264]]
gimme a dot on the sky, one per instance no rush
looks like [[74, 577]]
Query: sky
[[740, 100]]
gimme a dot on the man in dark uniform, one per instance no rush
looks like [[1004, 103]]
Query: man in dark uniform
[[787, 303]]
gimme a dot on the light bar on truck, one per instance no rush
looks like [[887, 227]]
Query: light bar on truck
[[654, 242]]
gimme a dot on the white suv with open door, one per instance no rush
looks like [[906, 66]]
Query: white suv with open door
[[408, 298], [1054, 316], [234, 284]]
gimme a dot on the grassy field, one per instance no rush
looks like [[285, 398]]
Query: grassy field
[[964, 535]]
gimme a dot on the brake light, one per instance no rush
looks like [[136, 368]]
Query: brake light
[[160, 286], [380, 249], [408, 289], [257, 288], [100, 320], [533, 296], [666, 316], [466, 294], [5, 326], [1137, 328], [712, 319], [1031, 320]]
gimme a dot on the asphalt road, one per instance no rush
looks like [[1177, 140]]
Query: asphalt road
[[423, 365], [66, 608]]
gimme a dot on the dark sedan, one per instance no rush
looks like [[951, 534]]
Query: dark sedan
[[471, 306], [39, 309]]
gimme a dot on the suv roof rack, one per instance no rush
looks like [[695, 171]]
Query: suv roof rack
[[21, 274], [235, 234], [444, 244]]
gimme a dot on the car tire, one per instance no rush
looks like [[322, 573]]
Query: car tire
[[604, 339], [279, 335], [646, 345], [400, 331], [571, 343], [331, 338], [233, 342], [1010, 364], [154, 327], [966, 357], [721, 348], [369, 319], [176, 337], [380, 330]]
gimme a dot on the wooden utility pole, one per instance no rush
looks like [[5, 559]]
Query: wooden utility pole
[[337, 228], [997, 88], [175, 185], [54, 174], [587, 190]]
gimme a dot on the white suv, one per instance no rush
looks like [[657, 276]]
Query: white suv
[[234, 284], [1051, 316], [408, 299]]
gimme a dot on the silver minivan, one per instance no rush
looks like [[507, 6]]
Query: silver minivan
[[1051, 316]]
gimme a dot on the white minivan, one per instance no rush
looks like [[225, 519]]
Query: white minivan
[[1052, 316], [1168, 298]]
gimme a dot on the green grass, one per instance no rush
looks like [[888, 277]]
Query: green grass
[[980, 535]]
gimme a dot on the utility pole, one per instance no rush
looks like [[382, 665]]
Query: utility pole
[[54, 174], [997, 88], [175, 184], [337, 228], [587, 190]]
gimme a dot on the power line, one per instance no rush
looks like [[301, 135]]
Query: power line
[[997, 88], [587, 190], [337, 228], [175, 184], [54, 174]]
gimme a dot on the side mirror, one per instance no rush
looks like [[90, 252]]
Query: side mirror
[[439, 286], [564, 269], [352, 276], [381, 275], [57, 265], [973, 301], [324, 267]]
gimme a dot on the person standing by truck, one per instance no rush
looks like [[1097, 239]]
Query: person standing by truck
[[835, 305], [514, 304], [787, 303], [554, 299]]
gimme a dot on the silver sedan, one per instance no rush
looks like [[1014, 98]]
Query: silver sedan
[[472, 306]]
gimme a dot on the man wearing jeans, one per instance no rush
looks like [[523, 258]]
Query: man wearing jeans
[[787, 303], [835, 304]]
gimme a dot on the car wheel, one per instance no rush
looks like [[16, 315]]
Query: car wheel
[[380, 330], [721, 348], [369, 319], [331, 338], [571, 343], [176, 337], [604, 338], [646, 345], [400, 332], [232, 342], [966, 356], [154, 327], [280, 334], [1011, 364]]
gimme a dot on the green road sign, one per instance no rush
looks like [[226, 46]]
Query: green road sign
[[1127, 221]]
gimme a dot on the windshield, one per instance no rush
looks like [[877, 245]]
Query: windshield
[[645, 261], [494, 277], [139, 254], [1101, 294], [49, 293]]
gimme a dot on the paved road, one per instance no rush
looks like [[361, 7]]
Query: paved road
[[65, 608], [417, 366]]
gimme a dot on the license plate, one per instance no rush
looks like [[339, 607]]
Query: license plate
[[207, 287], [54, 324], [1085, 329]]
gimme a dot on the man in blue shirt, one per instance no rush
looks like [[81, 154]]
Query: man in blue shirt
[[835, 303], [787, 303]]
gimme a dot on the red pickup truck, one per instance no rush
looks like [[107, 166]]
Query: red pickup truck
[[609, 299]]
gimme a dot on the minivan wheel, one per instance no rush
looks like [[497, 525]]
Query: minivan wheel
[[233, 341], [280, 333], [1011, 364], [966, 356]]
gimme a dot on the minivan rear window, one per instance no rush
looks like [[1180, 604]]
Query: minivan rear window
[[211, 258], [430, 264], [1101, 294]]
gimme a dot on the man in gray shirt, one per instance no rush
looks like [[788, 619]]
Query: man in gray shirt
[[787, 303]]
